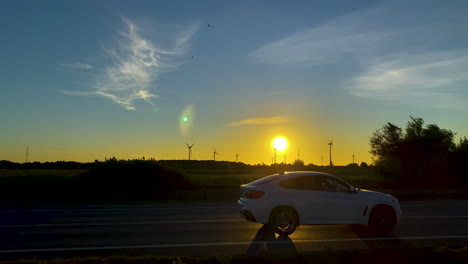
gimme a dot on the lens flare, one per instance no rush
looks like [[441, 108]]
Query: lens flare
[[186, 119]]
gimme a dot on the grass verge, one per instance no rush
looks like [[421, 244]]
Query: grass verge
[[400, 256]]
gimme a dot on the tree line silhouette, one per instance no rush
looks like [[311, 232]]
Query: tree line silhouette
[[420, 156]]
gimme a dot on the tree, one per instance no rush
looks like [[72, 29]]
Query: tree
[[386, 141], [418, 157], [458, 160]]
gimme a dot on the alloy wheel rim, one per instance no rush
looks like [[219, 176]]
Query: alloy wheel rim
[[383, 219]]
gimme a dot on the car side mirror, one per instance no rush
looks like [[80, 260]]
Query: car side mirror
[[352, 189]]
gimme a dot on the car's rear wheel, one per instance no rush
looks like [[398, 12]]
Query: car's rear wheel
[[382, 219], [284, 221]]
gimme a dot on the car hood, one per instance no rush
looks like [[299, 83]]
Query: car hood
[[375, 195]]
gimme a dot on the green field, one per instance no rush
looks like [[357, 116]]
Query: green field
[[360, 177], [206, 185]]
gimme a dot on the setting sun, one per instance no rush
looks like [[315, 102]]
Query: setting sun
[[280, 143]]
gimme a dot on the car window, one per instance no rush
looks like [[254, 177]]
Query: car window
[[335, 185], [312, 183]]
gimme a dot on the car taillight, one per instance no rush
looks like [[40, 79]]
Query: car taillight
[[254, 194]]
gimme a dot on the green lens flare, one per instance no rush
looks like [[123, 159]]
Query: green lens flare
[[186, 120]]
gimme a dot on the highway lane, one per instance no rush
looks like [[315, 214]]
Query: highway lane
[[209, 229]]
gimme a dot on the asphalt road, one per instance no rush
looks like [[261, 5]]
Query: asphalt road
[[208, 229]]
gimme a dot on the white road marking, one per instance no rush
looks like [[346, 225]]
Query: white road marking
[[402, 204], [128, 223], [433, 204], [116, 209], [190, 221], [227, 244], [435, 216]]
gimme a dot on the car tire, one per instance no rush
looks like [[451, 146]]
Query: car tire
[[284, 221], [382, 219]]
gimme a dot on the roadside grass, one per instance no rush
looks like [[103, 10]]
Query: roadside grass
[[328, 255], [359, 177], [41, 172], [213, 180], [28, 187]]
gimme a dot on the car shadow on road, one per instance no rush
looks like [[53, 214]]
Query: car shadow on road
[[265, 242], [378, 240]]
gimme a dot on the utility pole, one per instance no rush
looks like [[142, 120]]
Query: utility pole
[[274, 156], [353, 158], [27, 154]]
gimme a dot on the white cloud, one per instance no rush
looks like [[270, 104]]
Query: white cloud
[[261, 121], [136, 64], [409, 52], [436, 79], [388, 28], [77, 65]]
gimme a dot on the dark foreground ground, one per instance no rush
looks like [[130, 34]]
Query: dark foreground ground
[[215, 229], [391, 256]]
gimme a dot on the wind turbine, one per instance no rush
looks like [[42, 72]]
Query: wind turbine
[[237, 155], [330, 143], [189, 149], [214, 154]]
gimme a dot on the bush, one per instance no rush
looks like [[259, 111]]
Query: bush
[[130, 180], [109, 181]]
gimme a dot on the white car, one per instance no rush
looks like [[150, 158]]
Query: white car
[[289, 199]]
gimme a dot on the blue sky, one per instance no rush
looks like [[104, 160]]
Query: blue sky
[[86, 80]]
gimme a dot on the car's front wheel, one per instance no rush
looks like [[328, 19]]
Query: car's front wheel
[[382, 219], [284, 221]]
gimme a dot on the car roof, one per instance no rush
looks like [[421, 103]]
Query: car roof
[[304, 173], [287, 175]]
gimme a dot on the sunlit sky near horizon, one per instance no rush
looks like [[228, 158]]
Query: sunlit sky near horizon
[[86, 80]]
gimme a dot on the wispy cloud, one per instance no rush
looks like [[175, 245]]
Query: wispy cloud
[[400, 51], [330, 42], [261, 121], [435, 79], [385, 29], [77, 65], [136, 64]]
